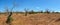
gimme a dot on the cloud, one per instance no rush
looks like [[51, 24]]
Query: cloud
[[38, 7]]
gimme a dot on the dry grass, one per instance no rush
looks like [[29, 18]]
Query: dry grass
[[32, 19]]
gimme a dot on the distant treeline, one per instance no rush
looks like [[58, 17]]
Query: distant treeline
[[31, 12]]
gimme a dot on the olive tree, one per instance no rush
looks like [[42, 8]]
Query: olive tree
[[47, 11], [10, 12], [26, 11]]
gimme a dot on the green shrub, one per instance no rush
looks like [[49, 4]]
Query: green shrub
[[9, 20]]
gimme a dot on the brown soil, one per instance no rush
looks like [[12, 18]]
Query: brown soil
[[32, 19]]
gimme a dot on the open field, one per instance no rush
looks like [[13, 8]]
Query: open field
[[32, 19]]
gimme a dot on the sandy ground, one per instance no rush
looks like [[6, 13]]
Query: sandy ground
[[32, 19]]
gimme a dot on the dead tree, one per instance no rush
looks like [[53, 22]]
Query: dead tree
[[47, 11], [26, 12], [41, 11], [32, 12], [9, 18]]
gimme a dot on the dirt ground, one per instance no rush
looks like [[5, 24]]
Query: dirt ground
[[32, 19]]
